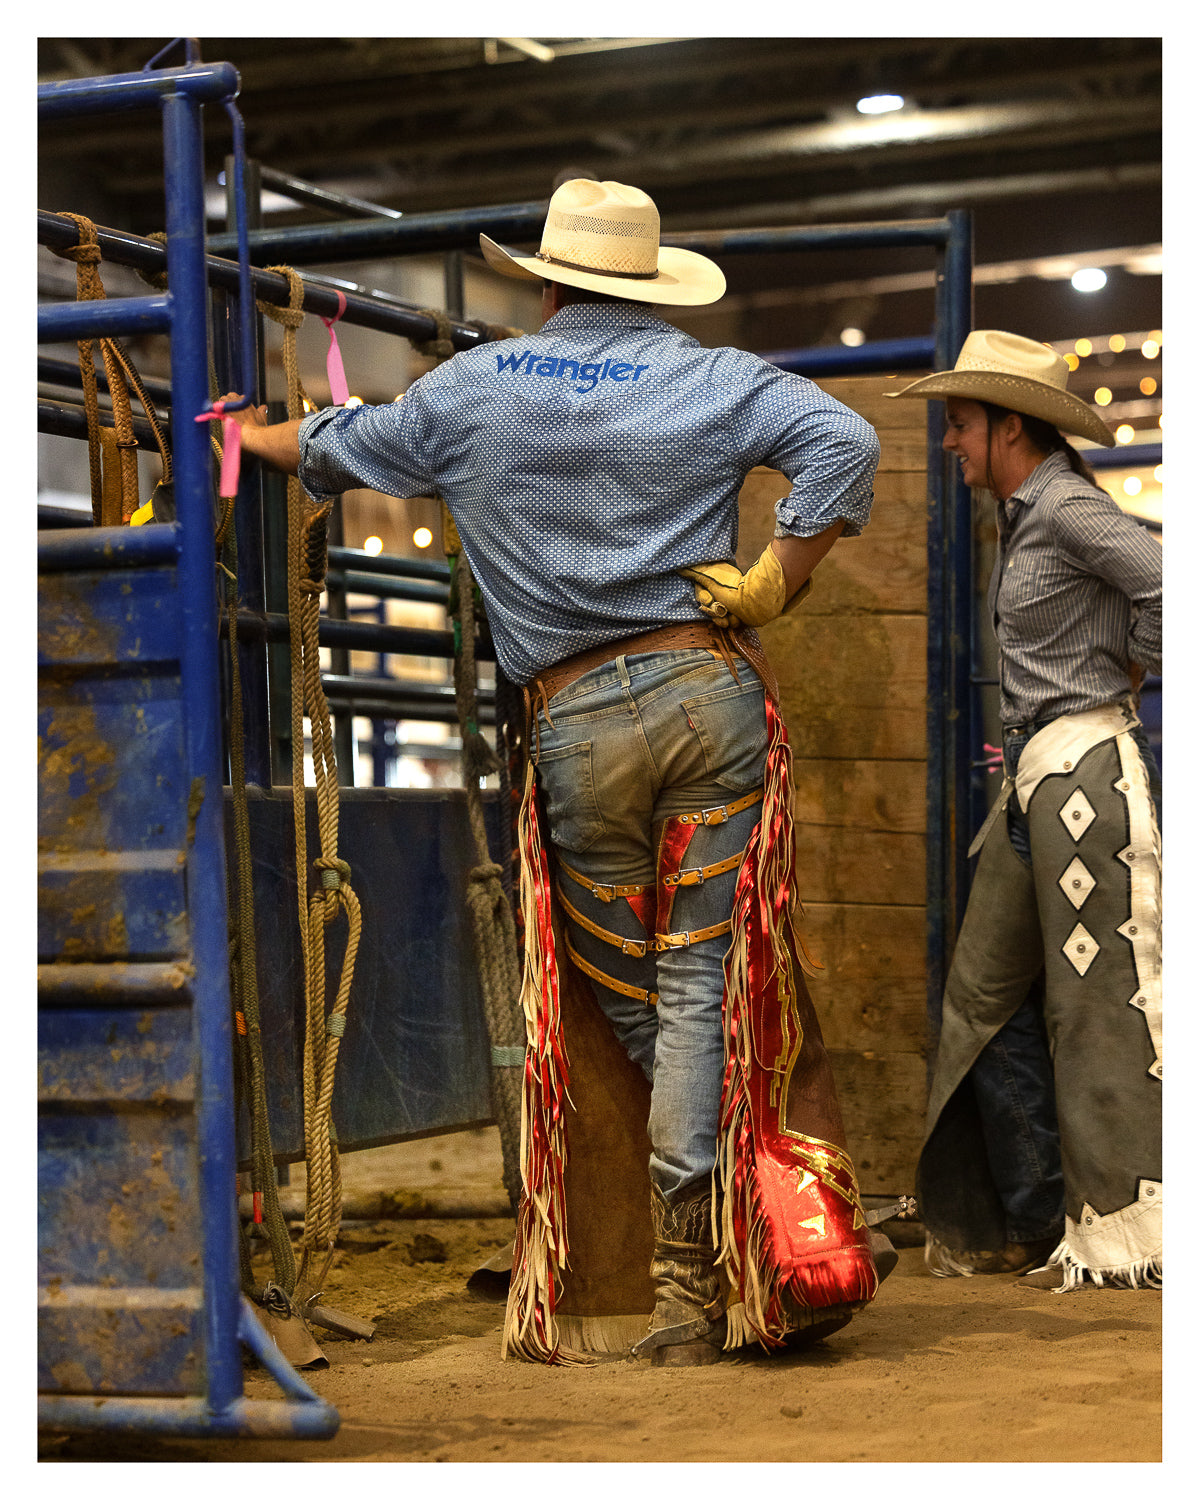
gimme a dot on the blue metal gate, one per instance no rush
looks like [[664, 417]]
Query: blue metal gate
[[140, 1317]]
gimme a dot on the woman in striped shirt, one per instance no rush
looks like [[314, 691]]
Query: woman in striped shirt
[[1043, 1140]]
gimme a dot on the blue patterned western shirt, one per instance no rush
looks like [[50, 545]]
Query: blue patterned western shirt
[[1076, 594], [585, 464]]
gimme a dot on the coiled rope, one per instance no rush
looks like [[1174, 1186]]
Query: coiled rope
[[112, 451], [307, 563]]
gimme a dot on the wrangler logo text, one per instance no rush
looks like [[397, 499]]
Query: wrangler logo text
[[588, 375]]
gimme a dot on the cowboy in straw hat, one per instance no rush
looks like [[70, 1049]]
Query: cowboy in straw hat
[[604, 237], [586, 467], [1043, 1131]]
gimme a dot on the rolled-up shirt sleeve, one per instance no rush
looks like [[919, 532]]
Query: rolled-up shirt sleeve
[[1095, 534], [366, 447], [829, 453]]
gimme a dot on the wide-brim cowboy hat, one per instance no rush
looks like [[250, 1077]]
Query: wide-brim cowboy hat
[[1018, 374], [603, 237]]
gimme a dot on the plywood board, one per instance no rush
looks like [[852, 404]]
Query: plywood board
[[870, 992], [868, 396], [882, 571], [853, 686], [882, 1098], [854, 864], [851, 663], [888, 795]]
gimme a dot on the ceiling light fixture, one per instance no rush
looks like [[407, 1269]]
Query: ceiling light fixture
[[879, 104], [852, 337], [529, 47], [1089, 279]]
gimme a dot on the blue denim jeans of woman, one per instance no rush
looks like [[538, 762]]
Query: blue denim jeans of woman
[[1013, 1077], [624, 747]]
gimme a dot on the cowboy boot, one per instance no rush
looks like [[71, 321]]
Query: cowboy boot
[[687, 1326]]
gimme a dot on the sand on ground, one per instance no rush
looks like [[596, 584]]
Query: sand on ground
[[978, 1370]]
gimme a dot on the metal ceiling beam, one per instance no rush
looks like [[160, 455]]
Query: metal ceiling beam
[[770, 72], [924, 197]]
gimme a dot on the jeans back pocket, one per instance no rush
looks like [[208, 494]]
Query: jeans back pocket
[[569, 792], [731, 726]]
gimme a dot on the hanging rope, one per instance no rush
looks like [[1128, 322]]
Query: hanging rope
[[244, 984], [492, 924], [489, 892], [307, 564], [250, 1085], [112, 451]]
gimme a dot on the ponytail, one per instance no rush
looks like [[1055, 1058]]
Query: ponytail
[[1045, 437]]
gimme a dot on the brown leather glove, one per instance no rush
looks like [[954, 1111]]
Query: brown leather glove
[[734, 599]]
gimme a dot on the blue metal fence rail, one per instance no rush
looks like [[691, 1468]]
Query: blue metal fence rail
[[87, 1383]]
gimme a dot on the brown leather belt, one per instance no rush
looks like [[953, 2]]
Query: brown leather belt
[[696, 634]]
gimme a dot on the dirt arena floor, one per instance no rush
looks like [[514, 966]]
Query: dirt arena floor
[[962, 1371]]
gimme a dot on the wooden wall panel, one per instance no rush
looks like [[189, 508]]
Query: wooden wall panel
[[852, 675], [851, 687], [882, 1097]]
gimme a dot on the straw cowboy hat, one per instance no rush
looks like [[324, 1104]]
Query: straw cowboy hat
[[603, 236], [1016, 373]]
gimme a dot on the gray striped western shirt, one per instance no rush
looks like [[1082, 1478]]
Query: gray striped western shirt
[[1076, 593]]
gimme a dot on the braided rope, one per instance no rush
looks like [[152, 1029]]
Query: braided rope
[[244, 977], [441, 345], [307, 559], [493, 925], [115, 489]]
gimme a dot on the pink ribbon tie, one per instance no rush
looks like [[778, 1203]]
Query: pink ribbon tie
[[339, 392], [231, 448]]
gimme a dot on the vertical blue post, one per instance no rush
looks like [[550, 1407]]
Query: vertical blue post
[[184, 173], [949, 708]]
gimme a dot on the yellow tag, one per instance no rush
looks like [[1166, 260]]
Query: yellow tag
[[143, 514]]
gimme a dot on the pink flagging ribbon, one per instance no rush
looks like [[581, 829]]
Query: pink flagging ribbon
[[339, 391], [231, 448], [994, 759]]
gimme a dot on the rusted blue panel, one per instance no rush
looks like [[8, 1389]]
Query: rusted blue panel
[[117, 1197], [110, 764], [112, 792], [134, 1056], [109, 907], [108, 617], [135, 1340]]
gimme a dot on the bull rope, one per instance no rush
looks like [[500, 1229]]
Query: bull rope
[[307, 563]]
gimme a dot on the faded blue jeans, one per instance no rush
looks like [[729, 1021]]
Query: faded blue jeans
[[1013, 1077], [624, 747]]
